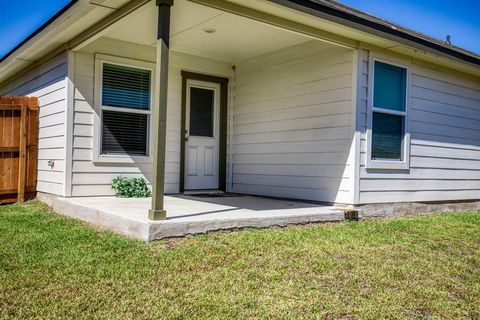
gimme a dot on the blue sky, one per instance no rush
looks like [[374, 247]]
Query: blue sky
[[22, 17], [437, 18]]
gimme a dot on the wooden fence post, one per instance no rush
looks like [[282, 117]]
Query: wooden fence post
[[22, 157]]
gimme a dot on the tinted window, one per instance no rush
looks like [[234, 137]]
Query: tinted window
[[201, 112], [387, 136], [389, 87]]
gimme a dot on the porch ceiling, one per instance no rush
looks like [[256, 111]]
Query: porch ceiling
[[235, 38]]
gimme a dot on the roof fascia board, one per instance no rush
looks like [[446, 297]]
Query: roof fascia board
[[450, 66], [359, 23], [279, 22]]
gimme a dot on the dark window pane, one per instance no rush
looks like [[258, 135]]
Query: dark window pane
[[387, 136], [390, 86], [124, 133], [125, 87], [201, 112]]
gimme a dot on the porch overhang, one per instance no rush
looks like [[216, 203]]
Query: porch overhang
[[236, 38], [81, 21]]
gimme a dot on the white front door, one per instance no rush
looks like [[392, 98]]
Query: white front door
[[202, 135]]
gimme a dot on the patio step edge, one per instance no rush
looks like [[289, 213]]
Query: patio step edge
[[183, 228]]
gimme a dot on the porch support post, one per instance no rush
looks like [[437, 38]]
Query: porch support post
[[160, 116]]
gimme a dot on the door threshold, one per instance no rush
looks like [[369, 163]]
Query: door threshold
[[210, 194], [203, 191]]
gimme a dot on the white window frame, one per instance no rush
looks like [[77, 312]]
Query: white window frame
[[100, 60], [385, 164]]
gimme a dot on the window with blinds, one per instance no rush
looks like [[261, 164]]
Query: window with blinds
[[124, 133], [125, 110], [389, 111]]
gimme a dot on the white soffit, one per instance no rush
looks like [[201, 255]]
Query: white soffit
[[352, 33], [235, 38], [138, 27], [309, 20], [116, 4]]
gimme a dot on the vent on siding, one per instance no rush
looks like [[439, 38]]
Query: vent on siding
[[124, 133], [126, 87]]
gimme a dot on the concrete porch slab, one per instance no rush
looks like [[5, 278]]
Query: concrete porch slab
[[191, 214]]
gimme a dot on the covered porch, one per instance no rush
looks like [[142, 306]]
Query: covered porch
[[280, 124]]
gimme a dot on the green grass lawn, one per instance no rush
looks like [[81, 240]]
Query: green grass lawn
[[52, 267]]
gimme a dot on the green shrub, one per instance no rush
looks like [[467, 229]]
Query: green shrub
[[126, 187]]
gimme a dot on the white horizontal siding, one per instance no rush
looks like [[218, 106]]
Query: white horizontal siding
[[292, 124], [48, 83], [445, 140], [90, 178]]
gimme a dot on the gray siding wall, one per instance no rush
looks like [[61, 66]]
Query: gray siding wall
[[292, 124], [444, 121], [90, 178], [48, 82]]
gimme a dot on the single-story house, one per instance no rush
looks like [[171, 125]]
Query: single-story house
[[297, 99]]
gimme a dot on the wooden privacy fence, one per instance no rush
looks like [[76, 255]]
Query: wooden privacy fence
[[18, 148]]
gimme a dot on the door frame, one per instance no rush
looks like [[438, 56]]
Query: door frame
[[222, 151]]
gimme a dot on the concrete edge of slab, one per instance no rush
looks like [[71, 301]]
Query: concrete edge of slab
[[155, 230], [183, 228]]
